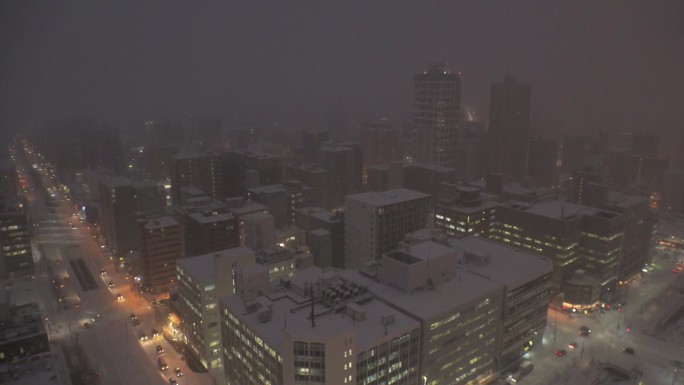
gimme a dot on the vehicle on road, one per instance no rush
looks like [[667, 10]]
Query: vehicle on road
[[95, 317], [172, 381], [572, 345], [134, 317], [119, 297], [560, 352], [86, 325], [628, 350], [110, 284], [584, 334], [526, 367], [103, 272], [585, 329], [160, 349], [179, 372], [155, 333], [142, 336], [162, 364], [675, 270]]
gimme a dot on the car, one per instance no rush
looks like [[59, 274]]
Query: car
[[162, 364], [160, 349], [584, 334], [675, 270], [103, 272], [628, 350], [95, 317], [134, 317], [142, 336], [572, 345], [110, 284], [585, 329], [155, 333], [179, 372], [119, 297], [560, 352], [172, 381]]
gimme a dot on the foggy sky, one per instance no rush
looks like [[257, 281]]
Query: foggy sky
[[592, 64]]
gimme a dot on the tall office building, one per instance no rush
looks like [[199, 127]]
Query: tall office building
[[509, 121], [118, 214], [161, 244], [246, 168], [376, 221], [466, 214], [202, 281], [344, 173], [383, 325], [203, 171], [436, 111], [380, 143], [572, 236], [289, 339], [526, 292], [311, 219], [311, 176], [16, 258], [8, 180]]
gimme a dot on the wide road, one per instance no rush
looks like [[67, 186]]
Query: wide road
[[68, 251], [653, 354]]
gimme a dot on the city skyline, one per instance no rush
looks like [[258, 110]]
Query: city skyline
[[105, 63]]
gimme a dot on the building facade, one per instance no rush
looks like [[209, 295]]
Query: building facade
[[376, 221], [509, 121], [161, 244], [436, 116]]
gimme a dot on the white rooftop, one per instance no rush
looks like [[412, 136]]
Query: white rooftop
[[250, 207], [203, 268], [205, 219], [502, 260], [320, 213], [389, 197], [465, 287], [160, 222], [554, 209], [269, 189], [290, 315]]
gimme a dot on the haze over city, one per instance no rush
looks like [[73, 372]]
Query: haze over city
[[369, 193], [611, 65]]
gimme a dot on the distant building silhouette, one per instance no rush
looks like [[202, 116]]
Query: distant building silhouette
[[436, 109]]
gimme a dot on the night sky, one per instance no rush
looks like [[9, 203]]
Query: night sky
[[615, 65]]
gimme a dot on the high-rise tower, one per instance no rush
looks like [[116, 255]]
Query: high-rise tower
[[436, 106], [509, 122]]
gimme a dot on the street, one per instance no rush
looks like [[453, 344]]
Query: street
[[78, 286]]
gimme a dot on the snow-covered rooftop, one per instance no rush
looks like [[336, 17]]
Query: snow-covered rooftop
[[502, 260], [290, 314], [203, 268], [389, 197]]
